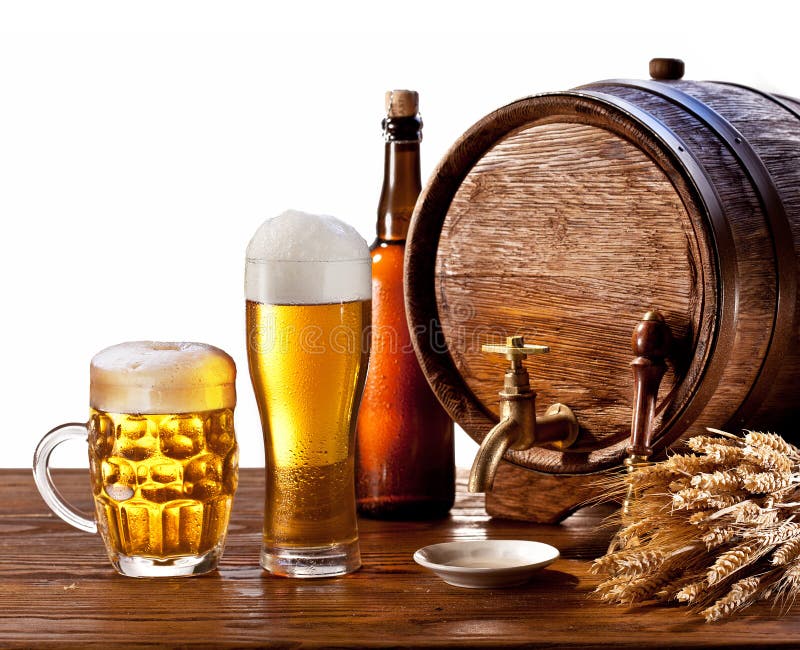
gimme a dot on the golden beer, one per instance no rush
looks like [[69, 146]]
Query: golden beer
[[163, 484], [163, 456], [308, 291], [308, 365]]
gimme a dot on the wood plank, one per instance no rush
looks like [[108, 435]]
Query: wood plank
[[519, 493], [58, 590]]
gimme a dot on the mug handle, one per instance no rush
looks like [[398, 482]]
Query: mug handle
[[41, 474]]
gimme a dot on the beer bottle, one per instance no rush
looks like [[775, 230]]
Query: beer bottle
[[404, 445]]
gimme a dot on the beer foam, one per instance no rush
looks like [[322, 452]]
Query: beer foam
[[160, 377], [298, 258]]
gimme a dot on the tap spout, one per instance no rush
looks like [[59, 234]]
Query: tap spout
[[519, 428], [494, 445]]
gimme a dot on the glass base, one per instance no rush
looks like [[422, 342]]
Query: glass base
[[311, 562], [152, 567]]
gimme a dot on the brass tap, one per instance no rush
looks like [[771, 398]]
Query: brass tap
[[519, 428]]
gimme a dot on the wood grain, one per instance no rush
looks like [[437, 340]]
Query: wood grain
[[526, 495], [565, 216], [59, 591], [587, 235], [774, 134]]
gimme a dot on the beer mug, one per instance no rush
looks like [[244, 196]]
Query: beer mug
[[163, 457], [308, 290]]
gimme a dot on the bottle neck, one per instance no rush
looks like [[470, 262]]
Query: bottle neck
[[401, 187]]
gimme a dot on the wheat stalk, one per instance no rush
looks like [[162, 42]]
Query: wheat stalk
[[719, 481], [730, 562], [704, 443], [786, 552], [771, 441], [712, 528], [689, 593], [765, 482], [741, 594], [718, 536], [724, 455], [768, 458]]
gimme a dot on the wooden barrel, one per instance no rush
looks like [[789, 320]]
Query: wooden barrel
[[564, 217]]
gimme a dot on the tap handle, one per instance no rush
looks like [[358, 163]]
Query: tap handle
[[651, 341], [515, 348]]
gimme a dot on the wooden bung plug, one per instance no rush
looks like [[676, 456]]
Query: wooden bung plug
[[667, 69]]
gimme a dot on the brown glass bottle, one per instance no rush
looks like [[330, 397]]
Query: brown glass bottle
[[404, 445]]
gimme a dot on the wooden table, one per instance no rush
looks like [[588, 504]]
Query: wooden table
[[57, 589]]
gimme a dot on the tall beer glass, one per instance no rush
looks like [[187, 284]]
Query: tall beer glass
[[163, 457], [308, 290]]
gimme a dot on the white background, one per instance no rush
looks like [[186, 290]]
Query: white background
[[142, 143]]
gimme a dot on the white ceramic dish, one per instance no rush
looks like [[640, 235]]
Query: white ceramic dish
[[486, 563]]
